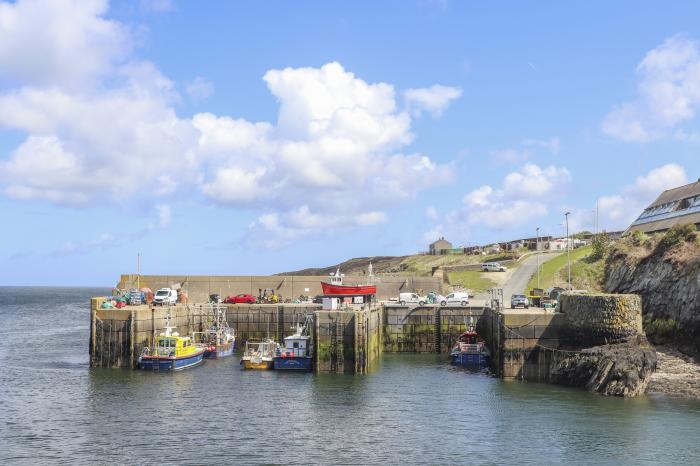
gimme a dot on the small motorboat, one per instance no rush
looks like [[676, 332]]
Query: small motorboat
[[296, 354], [171, 352], [470, 350], [259, 354]]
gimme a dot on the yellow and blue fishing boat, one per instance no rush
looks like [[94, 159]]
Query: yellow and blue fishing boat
[[171, 352]]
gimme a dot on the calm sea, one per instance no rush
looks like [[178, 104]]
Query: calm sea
[[412, 409]]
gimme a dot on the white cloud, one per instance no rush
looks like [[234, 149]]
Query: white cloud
[[431, 212], [65, 43], [523, 196], [164, 215], [618, 210], [200, 89], [668, 93], [433, 100], [334, 157]]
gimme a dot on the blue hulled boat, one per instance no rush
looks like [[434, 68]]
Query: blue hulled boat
[[296, 354], [171, 352], [219, 340], [470, 351]]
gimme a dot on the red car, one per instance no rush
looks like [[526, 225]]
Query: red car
[[241, 299]]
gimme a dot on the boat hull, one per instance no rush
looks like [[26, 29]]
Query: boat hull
[[471, 360], [262, 365], [343, 290], [166, 363], [293, 364], [220, 351]]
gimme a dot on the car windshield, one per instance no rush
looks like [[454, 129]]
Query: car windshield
[[161, 293], [519, 296]]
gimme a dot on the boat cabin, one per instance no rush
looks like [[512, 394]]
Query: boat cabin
[[469, 337], [173, 345], [296, 345]]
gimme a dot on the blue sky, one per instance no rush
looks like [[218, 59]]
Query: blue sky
[[260, 137]]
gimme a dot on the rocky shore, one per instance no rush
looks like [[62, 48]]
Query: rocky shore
[[676, 374], [622, 369]]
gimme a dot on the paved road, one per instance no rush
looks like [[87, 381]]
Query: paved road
[[520, 276]]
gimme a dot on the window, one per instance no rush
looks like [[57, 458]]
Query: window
[[296, 344]]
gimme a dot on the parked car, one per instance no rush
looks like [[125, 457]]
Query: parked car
[[493, 267], [519, 300], [461, 298], [318, 299], [241, 299], [412, 298], [165, 297]]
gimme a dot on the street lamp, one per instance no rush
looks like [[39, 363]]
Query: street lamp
[[568, 247], [537, 251]]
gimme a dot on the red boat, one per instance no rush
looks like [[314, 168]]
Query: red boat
[[335, 287]]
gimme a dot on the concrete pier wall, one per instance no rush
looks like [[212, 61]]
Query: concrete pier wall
[[428, 329], [347, 341], [199, 287]]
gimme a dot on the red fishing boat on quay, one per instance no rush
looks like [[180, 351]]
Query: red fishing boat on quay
[[335, 287]]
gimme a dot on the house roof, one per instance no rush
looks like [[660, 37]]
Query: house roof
[[665, 224], [676, 194]]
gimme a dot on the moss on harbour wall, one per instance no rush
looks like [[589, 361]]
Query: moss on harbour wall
[[595, 319]]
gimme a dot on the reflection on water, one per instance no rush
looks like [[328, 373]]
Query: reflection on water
[[412, 409]]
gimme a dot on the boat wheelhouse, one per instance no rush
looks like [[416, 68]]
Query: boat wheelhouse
[[171, 352], [296, 354], [259, 354]]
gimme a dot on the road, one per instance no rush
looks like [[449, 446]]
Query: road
[[518, 277]]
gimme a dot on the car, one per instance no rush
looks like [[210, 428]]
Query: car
[[493, 267], [243, 298], [459, 297], [519, 300], [318, 299], [412, 298], [165, 297]]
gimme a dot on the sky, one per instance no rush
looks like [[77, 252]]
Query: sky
[[262, 137]]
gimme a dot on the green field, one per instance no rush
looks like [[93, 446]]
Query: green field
[[474, 280], [554, 272]]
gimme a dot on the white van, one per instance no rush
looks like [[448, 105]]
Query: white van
[[165, 296], [492, 267], [460, 297], [412, 298]]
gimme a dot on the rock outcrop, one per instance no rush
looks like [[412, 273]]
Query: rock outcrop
[[606, 350], [622, 369], [668, 282]]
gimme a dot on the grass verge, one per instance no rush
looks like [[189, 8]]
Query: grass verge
[[552, 270], [474, 280]]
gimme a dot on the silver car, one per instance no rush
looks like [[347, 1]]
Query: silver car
[[519, 300]]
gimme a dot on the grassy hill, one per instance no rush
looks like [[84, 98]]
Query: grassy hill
[[418, 264], [586, 274]]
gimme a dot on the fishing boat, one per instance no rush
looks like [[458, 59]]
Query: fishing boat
[[296, 354], [259, 354], [219, 340], [171, 352], [335, 287], [470, 350]]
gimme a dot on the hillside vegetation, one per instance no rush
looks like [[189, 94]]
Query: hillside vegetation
[[418, 264], [586, 271]]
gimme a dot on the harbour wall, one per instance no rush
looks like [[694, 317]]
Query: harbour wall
[[199, 287], [524, 344]]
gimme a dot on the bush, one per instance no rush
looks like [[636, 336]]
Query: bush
[[601, 245], [638, 238], [677, 234]]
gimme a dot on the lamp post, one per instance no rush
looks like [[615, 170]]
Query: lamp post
[[568, 248], [537, 251]]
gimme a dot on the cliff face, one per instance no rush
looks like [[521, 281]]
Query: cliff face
[[668, 280]]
